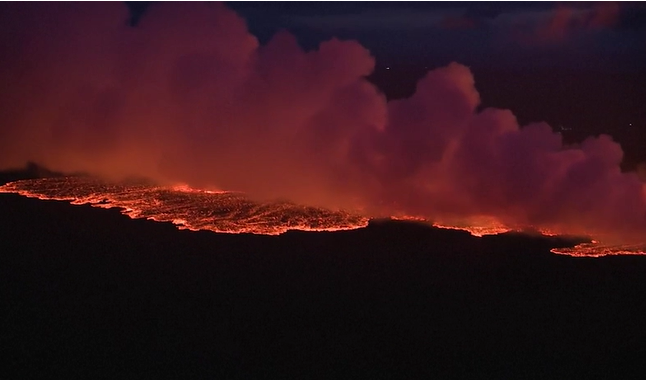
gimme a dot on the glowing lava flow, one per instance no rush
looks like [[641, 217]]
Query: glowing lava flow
[[596, 249], [482, 225], [479, 229], [187, 208], [232, 212], [476, 226], [489, 226]]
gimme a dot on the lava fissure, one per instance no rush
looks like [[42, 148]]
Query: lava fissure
[[220, 211], [230, 212]]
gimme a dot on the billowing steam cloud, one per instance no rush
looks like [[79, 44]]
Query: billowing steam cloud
[[189, 95]]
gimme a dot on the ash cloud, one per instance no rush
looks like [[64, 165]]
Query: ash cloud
[[190, 96]]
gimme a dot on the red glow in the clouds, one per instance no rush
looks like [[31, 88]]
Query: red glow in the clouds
[[190, 96], [566, 21]]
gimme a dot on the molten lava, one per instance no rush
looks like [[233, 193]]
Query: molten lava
[[596, 249], [232, 212], [187, 208], [476, 226]]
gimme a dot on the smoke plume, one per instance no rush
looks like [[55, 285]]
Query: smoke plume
[[189, 95]]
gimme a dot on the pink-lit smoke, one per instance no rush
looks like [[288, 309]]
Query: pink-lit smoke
[[189, 95]]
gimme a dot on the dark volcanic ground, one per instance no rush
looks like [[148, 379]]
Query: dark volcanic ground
[[89, 293]]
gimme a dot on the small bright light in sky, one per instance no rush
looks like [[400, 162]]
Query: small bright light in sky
[[387, 67]]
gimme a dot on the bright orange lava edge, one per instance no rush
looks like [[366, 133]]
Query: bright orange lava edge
[[489, 227]]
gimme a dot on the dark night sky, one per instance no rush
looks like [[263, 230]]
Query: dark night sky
[[583, 35], [510, 35], [578, 66]]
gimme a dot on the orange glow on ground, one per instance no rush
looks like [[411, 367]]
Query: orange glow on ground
[[188, 208], [182, 187], [478, 230], [230, 212], [479, 226], [596, 249]]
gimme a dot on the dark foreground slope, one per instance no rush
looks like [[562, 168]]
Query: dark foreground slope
[[89, 293]]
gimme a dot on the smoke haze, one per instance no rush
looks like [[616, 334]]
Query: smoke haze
[[190, 96]]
